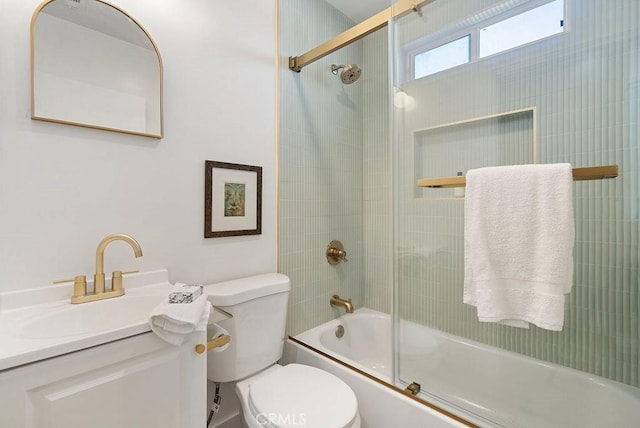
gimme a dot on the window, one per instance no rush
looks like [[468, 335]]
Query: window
[[488, 36], [519, 30], [443, 57]]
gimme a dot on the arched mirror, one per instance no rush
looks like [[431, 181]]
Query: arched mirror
[[93, 65]]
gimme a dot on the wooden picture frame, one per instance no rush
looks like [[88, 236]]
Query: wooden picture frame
[[232, 199]]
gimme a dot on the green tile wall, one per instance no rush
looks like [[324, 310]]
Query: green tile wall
[[335, 173], [584, 86], [321, 158]]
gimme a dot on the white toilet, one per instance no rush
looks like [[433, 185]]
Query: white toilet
[[273, 396]]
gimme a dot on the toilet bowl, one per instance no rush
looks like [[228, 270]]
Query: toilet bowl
[[272, 395], [297, 395]]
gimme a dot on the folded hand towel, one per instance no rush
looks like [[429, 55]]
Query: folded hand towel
[[518, 243], [174, 322]]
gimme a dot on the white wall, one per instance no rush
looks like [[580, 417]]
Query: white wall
[[63, 188]]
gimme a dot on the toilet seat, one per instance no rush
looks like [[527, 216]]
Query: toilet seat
[[299, 395]]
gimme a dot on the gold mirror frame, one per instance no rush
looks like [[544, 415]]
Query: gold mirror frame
[[88, 125]]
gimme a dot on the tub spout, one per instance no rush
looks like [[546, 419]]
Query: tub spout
[[346, 303]]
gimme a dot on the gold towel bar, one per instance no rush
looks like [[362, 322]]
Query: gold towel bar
[[213, 343], [586, 173]]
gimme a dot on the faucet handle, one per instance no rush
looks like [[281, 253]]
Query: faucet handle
[[79, 286], [116, 280]]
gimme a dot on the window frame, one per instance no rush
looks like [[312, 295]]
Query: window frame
[[420, 46]]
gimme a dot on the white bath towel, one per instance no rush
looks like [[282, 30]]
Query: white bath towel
[[173, 322], [518, 243]]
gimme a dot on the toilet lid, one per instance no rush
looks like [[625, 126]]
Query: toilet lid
[[298, 395]]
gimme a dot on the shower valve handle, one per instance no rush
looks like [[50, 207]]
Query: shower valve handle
[[342, 255], [336, 253]]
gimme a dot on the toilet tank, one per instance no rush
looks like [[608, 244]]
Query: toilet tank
[[258, 305]]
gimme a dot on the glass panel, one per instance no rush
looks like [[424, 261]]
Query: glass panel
[[442, 58], [321, 190], [571, 99], [524, 28], [574, 99], [334, 184]]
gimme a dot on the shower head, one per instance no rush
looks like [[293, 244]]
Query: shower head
[[350, 74]]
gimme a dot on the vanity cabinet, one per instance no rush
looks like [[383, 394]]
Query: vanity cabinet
[[137, 382]]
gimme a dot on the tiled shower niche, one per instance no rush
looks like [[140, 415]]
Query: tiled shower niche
[[444, 150]]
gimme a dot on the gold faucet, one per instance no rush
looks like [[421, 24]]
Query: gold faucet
[[80, 284], [337, 301]]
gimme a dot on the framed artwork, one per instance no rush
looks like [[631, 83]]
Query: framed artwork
[[232, 199]]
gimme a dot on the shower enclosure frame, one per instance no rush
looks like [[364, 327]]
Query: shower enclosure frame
[[296, 63], [357, 32]]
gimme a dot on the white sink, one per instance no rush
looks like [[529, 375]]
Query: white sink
[[40, 322], [89, 318]]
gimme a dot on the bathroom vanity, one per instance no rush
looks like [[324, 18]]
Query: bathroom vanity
[[140, 381], [97, 364]]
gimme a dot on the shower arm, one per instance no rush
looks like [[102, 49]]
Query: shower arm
[[357, 32]]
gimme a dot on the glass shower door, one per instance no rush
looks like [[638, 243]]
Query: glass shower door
[[482, 83]]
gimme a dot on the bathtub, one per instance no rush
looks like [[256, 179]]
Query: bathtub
[[482, 384]]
